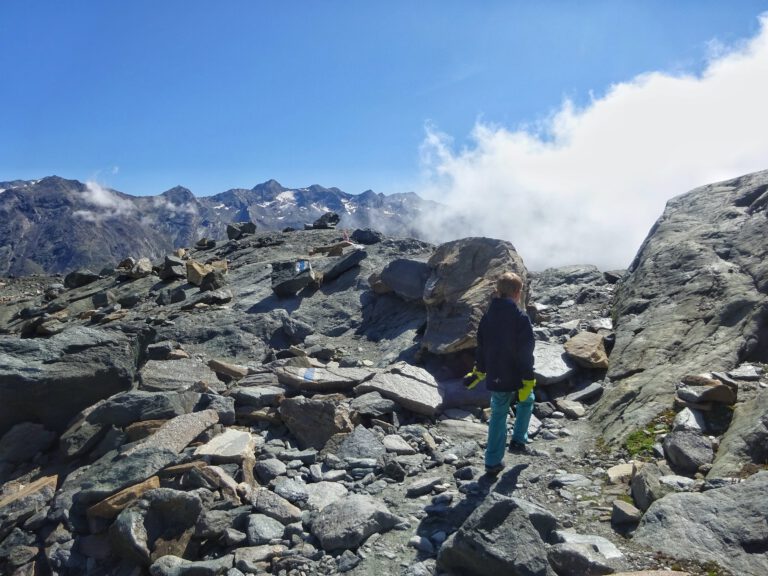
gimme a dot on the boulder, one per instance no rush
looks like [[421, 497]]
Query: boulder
[[262, 529], [137, 405], [230, 446], [141, 269], [701, 390], [406, 278], [290, 277], [327, 221], [502, 536], [51, 380], [346, 523], [361, 443], [321, 494], [174, 375], [726, 526], [645, 486], [687, 451], [587, 350], [161, 523], [691, 420], [24, 441], [314, 420], [236, 230], [175, 566], [366, 236], [551, 364], [577, 560], [80, 278], [695, 295], [321, 379], [173, 268], [273, 505], [16, 507], [462, 279], [746, 441], [344, 263], [411, 387]]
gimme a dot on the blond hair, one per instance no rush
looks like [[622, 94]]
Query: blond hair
[[509, 285]]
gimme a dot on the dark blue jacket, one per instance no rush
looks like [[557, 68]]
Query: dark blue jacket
[[505, 346]]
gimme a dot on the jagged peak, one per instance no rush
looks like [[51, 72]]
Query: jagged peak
[[179, 195]]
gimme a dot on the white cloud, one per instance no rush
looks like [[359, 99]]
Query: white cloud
[[107, 204], [165, 204], [586, 185]]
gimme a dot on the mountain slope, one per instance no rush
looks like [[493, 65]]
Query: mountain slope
[[55, 225]]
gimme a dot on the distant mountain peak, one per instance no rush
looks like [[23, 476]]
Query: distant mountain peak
[[179, 195]]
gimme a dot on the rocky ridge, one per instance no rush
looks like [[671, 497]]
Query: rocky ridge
[[272, 404]]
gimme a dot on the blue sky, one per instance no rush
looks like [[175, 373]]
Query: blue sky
[[430, 96]]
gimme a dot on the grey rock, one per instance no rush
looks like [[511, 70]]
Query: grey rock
[[366, 236], [746, 441], [16, 508], [645, 486], [263, 529], [71, 370], [412, 388], [321, 494], [236, 230], [587, 393], [396, 444], [604, 547], [695, 296], [137, 405], [406, 278], [677, 483], [423, 486], [570, 481], [230, 446], [690, 420], [321, 379], [80, 278], [290, 277], [624, 513], [577, 560], [269, 469], [346, 523], [257, 396], [174, 375], [462, 277], [361, 443], [552, 365], [175, 566], [160, 350], [372, 404], [687, 451], [292, 490], [161, 522], [725, 525], [251, 559], [314, 420], [296, 330], [24, 441], [344, 263], [274, 506], [570, 408], [497, 538], [214, 523], [748, 372]]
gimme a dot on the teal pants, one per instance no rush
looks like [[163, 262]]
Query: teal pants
[[497, 426]]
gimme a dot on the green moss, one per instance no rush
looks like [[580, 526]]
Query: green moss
[[639, 444]]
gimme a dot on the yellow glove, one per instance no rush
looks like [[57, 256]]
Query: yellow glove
[[525, 391], [473, 378]]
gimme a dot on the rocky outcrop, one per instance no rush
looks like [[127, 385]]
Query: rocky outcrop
[[717, 525], [696, 295], [50, 381], [746, 441]]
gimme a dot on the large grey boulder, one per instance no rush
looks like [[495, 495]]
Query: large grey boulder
[[50, 381], [687, 451], [314, 420], [551, 363], [502, 536], [726, 526], [174, 375], [696, 296], [346, 523], [746, 441], [406, 278], [462, 279], [160, 523], [128, 407]]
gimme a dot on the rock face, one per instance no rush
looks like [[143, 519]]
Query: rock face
[[717, 525], [696, 295], [462, 278], [50, 381], [746, 441], [347, 522]]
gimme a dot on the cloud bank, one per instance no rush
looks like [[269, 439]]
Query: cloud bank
[[106, 203], [586, 185]]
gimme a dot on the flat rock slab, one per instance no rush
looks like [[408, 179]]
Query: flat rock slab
[[231, 446], [423, 486], [605, 547], [413, 389], [258, 396], [321, 494], [552, 364], [17, 507], [587, 393], [463, 430], [172, 375], [112, 506], [321, 379], [398, 445]]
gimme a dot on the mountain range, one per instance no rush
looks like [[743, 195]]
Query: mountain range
[[55, 225]]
